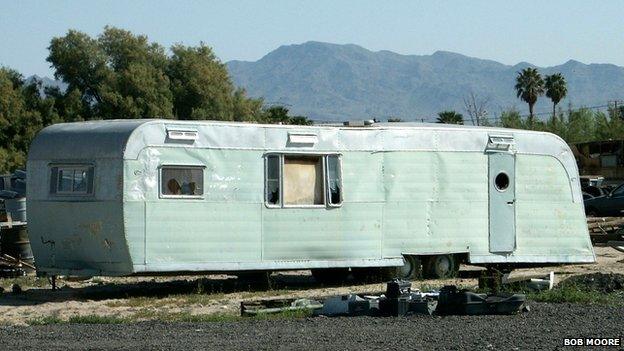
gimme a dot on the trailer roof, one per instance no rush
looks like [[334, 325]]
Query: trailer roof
[[109, 138], [101, 139]]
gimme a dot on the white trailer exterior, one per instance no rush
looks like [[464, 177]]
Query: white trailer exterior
[[271, 197]]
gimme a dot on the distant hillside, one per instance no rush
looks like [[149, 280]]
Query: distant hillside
[[338, 82], [47, 82]]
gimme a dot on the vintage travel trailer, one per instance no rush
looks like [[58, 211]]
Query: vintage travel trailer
[[130, 197]]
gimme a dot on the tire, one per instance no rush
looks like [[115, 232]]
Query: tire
[[441, 267], [411, 270], [330, 275]]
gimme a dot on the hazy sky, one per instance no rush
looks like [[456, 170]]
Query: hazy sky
[[544, 33]]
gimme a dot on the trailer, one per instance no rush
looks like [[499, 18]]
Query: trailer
[[133, 197]]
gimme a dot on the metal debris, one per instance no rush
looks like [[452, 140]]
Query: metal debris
[[536, 282], [398, 300], [273, 306]]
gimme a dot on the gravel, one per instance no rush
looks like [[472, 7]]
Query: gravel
[[544, 327]]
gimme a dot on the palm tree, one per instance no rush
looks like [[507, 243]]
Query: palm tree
[[450, 117], [529, 86], [556, 90]]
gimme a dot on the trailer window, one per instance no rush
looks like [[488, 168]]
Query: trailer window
[[334, 195], [183, 181], [303, 180], [71, 180], [501, 181], [272, 192]]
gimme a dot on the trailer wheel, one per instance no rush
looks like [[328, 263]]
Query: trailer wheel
[[441, 266], [411, 270], [330, 275]]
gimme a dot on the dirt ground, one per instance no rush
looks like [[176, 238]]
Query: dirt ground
[[142, 298]]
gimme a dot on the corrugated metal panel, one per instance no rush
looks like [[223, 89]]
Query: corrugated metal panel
[[544, 180], [79, 235], [350, 231], [434, 227], [135, 230], [229, 175], [549, 226], [362, 173], [183, 231], [437, 202]]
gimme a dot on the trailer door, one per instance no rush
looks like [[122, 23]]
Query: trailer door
[[502, 201]]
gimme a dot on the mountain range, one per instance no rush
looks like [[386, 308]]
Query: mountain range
[[332, 82]]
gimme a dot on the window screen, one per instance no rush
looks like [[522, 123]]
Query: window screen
[[71, 180], [182, 181], [334, 180], [273, 180]]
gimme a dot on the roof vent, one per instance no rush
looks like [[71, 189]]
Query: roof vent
[[302, 138], [500, 143], [182, 134]]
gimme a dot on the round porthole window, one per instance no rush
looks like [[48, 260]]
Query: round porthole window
[[502, 181]]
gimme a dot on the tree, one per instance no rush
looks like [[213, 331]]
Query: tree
[[511, 119], [279, 115], [18, 121], [119, 74], [122, 75], [476, 107], [80, 62], [202, 88], [556, 90], [300, 120], [529, 86], [581, 127], [450, 117], [246, 109]]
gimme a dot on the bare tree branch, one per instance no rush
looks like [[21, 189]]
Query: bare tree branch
[[476, 108]]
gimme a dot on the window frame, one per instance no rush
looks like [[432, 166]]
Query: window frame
[[280, 181], [89, 168], [325, 182], [327, 187], [162, 167], [509, 180]]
